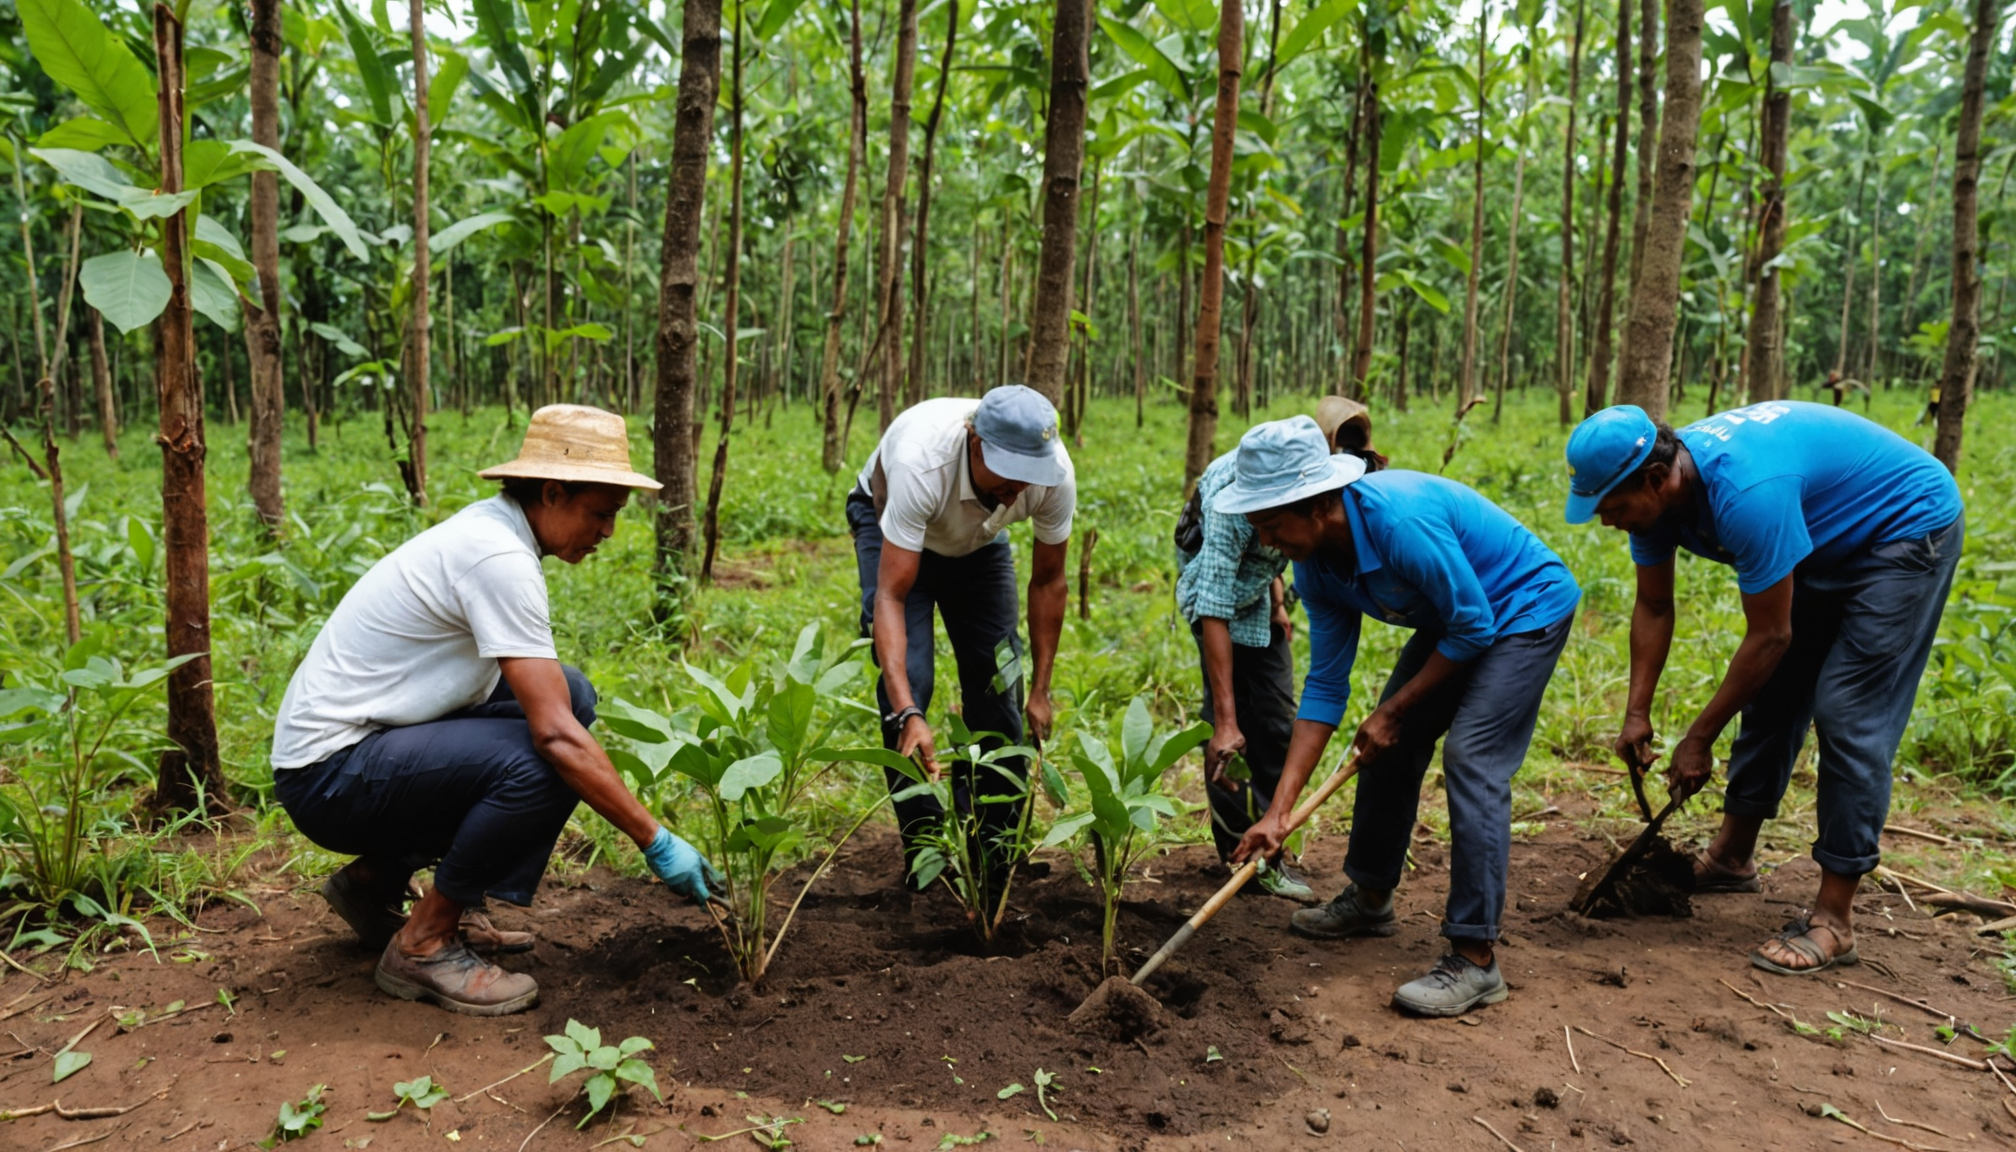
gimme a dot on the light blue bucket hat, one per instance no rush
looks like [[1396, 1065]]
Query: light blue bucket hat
[[1281, 462]]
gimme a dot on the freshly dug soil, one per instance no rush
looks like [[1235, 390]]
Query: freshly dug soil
[[1658, 883], [886, 1007]]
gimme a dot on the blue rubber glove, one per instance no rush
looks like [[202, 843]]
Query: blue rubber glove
[[681, 867]]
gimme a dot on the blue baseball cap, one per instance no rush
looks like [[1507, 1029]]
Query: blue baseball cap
[[1018, 436], [1281, 462], [1602, 451]]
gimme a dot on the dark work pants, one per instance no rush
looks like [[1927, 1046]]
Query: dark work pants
[[975, 596], [468, 790], [1263, 699], [1487, 710], [1861, 633]]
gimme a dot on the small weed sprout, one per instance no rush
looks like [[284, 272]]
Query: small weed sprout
[[422, 1094], [581, 1049], [297, 1118]]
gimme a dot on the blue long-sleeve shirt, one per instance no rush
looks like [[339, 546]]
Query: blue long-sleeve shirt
[[1431, 554]]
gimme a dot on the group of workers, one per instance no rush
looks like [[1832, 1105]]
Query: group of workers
[[431, 722]]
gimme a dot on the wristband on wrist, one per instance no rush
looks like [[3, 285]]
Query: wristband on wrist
[[902, 716]]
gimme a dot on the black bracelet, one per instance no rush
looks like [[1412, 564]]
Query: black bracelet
[[901, 716]]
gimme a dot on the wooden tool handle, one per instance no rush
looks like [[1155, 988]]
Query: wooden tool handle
[[1296, 819]]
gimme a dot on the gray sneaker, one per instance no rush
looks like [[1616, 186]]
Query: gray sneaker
[[1281, 879], [1347, 915], [1454, 986]]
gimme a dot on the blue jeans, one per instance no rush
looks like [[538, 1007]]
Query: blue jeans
[[1263, 700], [1861, 633], [468, 790], [975, 595], [1487, 711]]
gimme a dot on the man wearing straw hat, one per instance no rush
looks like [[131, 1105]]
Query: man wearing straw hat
[[1490, 607], [433, 723]]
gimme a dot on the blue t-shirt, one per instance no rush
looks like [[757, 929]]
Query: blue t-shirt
[[1431, 555], [1788, 483]]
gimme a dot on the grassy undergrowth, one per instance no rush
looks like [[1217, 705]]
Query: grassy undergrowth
[[787, 562]]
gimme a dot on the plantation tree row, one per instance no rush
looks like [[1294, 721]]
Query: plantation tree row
[[359, 217]]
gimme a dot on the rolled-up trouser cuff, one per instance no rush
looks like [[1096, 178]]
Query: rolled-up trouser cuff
[[1375, 882], [1857, 866], [1488, 933], [1750, 809]]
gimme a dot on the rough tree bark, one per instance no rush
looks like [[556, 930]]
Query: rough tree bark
[[189, 769], [920, 301], [1468, 387], [1211, 292], [262, 321], [1511, 290], [679, 275], [419, 345], [1963, 334], [732, 319], [1648, 132], [1598, 394], [1655, 299], [1063, 156], [832, 449], [1249, 303], [883, 362], [1564, 316], [101, 377], [1368, 253], [1763, 341]]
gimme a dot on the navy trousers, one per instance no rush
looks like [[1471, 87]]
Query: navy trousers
[[975, 596], [1487, 711], [1263, 699], [468, 791], [1861, 633]]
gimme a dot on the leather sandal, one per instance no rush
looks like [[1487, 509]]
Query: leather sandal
[[1712, 877], [1797, 935], [479, 933]]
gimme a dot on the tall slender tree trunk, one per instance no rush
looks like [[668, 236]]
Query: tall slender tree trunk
[[1963, 334], [1211, 292], [920, 305], [1346, 270], [1606, 292], [1907, 319], [1511, 289], [679, 276], [829, 360], [1063, 157], [731, 322], [1564, 316], [780, 383], [1082, 386], [420, 347], [1249, 303], [1468, 387], [1763, 341], [1648, 134], [1007, 295], [1847, 289], [885, 364], [52, 457], [262, 322], [1655, 299], [1140, 360], [1368, 252], [1873, 365], [190, 766], [101, 378]]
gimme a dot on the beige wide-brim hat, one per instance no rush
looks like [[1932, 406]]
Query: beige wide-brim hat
[[576, 443], [1333, 412]]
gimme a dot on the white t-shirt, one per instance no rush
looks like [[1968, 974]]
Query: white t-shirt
[[924, 491], [420, 635]]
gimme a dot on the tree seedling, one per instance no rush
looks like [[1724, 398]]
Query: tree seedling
[[422, 1094], [297, 1118], [581, 1049], [1045, 1080]]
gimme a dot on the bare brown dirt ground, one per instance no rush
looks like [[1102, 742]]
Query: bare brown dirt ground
[[883, 1005]]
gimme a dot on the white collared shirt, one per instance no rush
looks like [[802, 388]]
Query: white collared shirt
[[923, 486], [420, 634]]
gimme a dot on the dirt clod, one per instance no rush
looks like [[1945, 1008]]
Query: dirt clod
[[1318, 1121], [1659, 883], [1118, 1010], [1546, 1097]]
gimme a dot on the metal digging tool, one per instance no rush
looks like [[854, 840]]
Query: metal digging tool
[[1590, 895], [1296, 819]]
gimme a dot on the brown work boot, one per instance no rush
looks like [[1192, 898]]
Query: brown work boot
[[479, 933], [375, 915], [456, 979]]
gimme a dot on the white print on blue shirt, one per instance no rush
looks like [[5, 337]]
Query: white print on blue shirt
[[1722, 425]]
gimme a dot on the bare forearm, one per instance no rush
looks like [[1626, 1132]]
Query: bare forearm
[[1651, 640], [1046, 626], [1749, 670], [1217, 644], [1305, 750], [585, 767], [1438, 669], [892, 643]]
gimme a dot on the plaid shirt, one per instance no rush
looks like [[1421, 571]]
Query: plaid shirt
[[1228, 578]]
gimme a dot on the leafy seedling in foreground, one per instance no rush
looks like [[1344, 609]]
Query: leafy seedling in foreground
[[581, 1049], [422, 1094], [297, 1118]]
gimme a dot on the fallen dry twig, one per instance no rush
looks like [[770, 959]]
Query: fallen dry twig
[[1828, 1111], [546, 1121], [1677, 1078], [1754, 1000], [507, 1079], [93, 1139], [1922, 835], [16, 964], [1495, 1132], [1950, 1057], [1918, 1004], [1908, 1123], [1572, 1062]]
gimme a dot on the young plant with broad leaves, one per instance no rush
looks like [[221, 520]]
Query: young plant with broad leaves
[[581, 1050], [752, 748], [1125, 804], [975, 863]]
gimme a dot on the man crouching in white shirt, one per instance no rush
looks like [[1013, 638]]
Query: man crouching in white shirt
[[433, 723]]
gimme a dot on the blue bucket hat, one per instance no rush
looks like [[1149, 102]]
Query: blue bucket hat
[[1281, 462], [1018, 436], [1602, 451]]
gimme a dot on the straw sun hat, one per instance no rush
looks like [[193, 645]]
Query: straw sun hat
[[576, 443], [1334, 412]]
